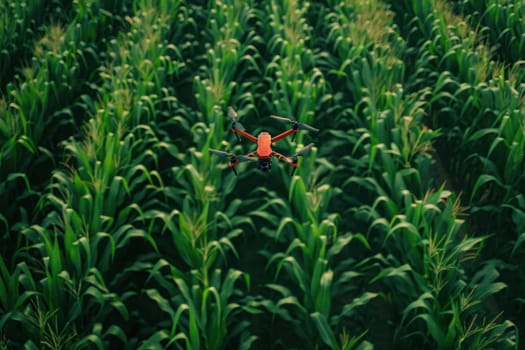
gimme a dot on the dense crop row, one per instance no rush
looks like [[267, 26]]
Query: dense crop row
[[403, 228], [479, 106], [37, 112], [501, 22]]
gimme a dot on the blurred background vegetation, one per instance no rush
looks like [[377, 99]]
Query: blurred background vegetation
[[404, 228]]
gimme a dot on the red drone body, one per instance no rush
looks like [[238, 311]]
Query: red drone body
[[264, 141]]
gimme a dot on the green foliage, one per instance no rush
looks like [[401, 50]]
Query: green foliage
[[501, 22], [404, 226]]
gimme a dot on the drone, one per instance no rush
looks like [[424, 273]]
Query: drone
[[264, 153]]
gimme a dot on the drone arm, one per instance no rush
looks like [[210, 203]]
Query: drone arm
[[284, 134], [234, 163], [285, 159], [251, 154], [291, 161], [245, 134]]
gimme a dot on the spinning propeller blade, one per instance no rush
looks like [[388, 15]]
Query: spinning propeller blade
[[232, 115], [232, 156], [281, 119], [300, 126], [303, 151], [220, 153]]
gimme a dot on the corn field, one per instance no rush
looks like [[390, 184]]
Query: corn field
[[404, 228]]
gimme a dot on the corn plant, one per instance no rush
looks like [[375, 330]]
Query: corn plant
[[403, 228], [440, 296], [205, 304], [404, 146], [470, 81], [296, 85], [227, 23], [37, 111], [319, 312], [20, 29], [502, 24], [488, 103], [77, 248]]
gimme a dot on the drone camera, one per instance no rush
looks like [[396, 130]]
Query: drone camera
[[264, 164]]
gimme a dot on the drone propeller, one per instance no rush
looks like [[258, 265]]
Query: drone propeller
[[232, 115], [221, 153], [295, 123], [232, 156], [302, 152]]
